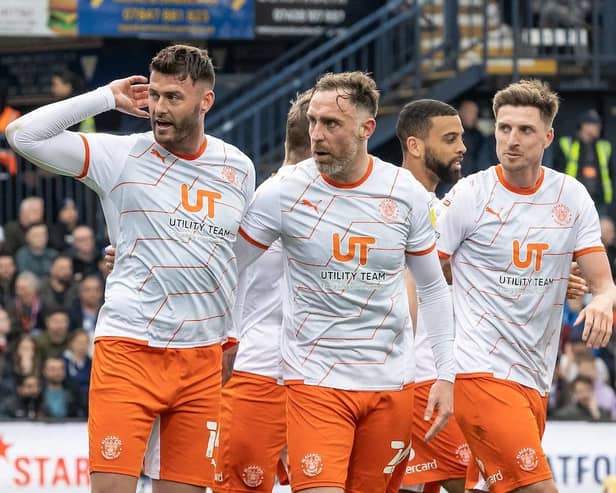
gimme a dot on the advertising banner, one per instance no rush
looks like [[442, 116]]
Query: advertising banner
[[40, 457], [53, 458], [308, 17], [38, 17], [221, 19]]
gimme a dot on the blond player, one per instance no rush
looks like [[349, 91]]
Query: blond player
[[350, 224], [253, 426], [510, 233], [430, 133], [173, 200]]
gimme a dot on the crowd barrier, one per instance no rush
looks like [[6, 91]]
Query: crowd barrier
[[53, 457]]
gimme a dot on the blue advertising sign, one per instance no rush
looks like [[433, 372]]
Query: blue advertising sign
[[220, 19]]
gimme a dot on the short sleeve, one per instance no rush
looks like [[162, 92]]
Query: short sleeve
[[421, 238], [243, 162], [457, 218], [261, 225], [588, 238]]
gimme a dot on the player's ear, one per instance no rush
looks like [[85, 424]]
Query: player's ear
[[414, 146], [549, 138], [207, 101], [367, 128]]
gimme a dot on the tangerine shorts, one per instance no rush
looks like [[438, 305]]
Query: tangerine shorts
[[252, 435], [503, 423], [165, 400], [347, 439]]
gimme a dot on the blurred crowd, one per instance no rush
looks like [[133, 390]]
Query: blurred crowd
[[51, 290]]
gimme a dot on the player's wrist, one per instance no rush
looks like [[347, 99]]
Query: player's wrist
[[108, 94]]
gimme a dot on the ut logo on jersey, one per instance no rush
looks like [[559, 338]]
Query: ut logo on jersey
[[210, 195], [533, 251], [354, 241]]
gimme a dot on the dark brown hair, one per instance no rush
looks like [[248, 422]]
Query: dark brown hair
[[184, 61]]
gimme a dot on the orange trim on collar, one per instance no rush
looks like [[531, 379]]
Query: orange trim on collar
[[355, 183], [518, 190], [190, 157]]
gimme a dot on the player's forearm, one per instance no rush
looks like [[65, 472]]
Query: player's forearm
[[596, 270], [437, 310], [41, 136]]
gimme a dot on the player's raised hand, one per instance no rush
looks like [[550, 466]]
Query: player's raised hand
[[598, 317], [441, 399], [131, 94]]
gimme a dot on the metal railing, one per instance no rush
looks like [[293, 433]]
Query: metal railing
[[53, 189], [271, 69], [386, 43], [578, 36]]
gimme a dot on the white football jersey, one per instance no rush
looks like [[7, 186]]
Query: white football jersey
[[347, 325], [511, 252], [173, 220]]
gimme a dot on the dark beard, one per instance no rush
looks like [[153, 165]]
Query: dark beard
[[444, 171]]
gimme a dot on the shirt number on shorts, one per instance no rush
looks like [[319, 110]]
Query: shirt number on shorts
[[212, 441], [401, 454]]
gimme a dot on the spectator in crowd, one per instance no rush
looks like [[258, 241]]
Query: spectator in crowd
[[5, 328], [31, 211], [574, 348], [84, 252], [590, 159], [584, 405], [26, 402], [25, 360], [60, 398], [8, 159], [61, 232], [474, 140], [78, 362], [608, 235], [64, 84], [560, 393], [35, 256], [59, 289], [8, 272], [53, 341], [605, 395], [90, 299], [26, 311]]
